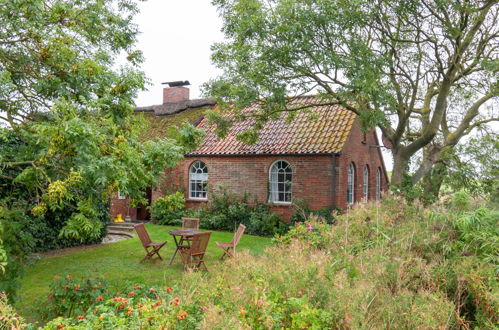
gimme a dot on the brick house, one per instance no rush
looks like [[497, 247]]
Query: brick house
[[322, 157]]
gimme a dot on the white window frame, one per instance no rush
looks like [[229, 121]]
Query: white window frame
[[378, 184], [199, 176], [274, 183], [351, 184], [365, 187]]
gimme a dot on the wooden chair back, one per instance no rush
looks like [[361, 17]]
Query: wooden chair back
[[199, 243], [239, 233], [143, 234], [190, 223]]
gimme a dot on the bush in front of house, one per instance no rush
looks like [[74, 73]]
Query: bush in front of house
[[226, 211], [168, 209]]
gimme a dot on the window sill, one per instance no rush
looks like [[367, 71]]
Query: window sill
[[280, 204], [198, 200]]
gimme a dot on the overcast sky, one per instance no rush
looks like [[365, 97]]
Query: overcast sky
[[175, 38]]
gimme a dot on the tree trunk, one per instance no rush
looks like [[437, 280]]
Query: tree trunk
[[432, 182], [400, 167]]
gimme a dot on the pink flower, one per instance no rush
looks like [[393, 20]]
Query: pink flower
[[309, 228]]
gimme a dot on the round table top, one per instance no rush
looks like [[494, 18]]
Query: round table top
[[184, 232]]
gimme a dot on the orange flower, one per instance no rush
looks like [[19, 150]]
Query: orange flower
[[152, 290], [122, 306], [182, 315], [242, 312], [99, 298], [80, 317], [131, 294], [60, 326], [174, 301], [168, 289], [136, 287], [76, 287], [101, 316]]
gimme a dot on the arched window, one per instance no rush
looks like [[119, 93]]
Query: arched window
[[280, 177], [378, 184], [366, 183], [198, 180], [351, 184]]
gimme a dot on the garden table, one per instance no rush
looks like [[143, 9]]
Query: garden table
[[179, 236]]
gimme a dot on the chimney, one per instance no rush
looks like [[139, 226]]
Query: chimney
[[175, 92]]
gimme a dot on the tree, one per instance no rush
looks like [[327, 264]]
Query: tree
[[423, 71], [69, 139]]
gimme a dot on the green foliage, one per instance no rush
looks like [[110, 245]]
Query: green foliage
[[69, 296], [168, 209], [137, 309], [68, 137], [9, 319], [225, 211]]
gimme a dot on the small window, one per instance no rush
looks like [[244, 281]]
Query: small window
[[366, 184], [378, 184], [198, 180], [280, 177], [120, 195], [351, 184]]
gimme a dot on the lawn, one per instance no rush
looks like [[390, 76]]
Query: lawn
[[118, 263]]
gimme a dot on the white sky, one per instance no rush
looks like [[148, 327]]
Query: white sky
[[175, 39]]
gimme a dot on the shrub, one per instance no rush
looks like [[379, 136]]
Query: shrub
[[69, 296], [168, 209], [156, 309], [227, 210], [9, 319]]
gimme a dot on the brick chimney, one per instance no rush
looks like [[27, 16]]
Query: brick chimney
[[175, 92]]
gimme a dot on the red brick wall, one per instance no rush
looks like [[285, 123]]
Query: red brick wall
[[175, 94], [361, 152], [312, 178], [119, 206]]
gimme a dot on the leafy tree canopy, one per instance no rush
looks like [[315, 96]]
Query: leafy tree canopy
[[69, 140], [423, 71]]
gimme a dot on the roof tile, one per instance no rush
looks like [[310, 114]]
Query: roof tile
[[326, 133]]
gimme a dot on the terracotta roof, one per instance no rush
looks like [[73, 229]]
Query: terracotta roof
[[322, 130]]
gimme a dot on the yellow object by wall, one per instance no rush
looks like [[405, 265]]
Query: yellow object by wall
[[118, 218]]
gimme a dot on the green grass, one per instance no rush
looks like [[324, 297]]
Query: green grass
[[118, 263]]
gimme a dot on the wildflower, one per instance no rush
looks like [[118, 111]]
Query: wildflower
[[76, 287], [168, 289], [242, 312], [139, 305], [182, 315], [122, 306], [60, 326], [101, 316], [174, 301], [99, 298], [310, 228], [136, 286], [296, 223], [130, 310], [80, 317], [56, 277], [131, 294], [152, 290], [94, 287]]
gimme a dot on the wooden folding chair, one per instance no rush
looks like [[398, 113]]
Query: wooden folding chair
[[227, 247], [151, 248], [189, 223], [194, 254]]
